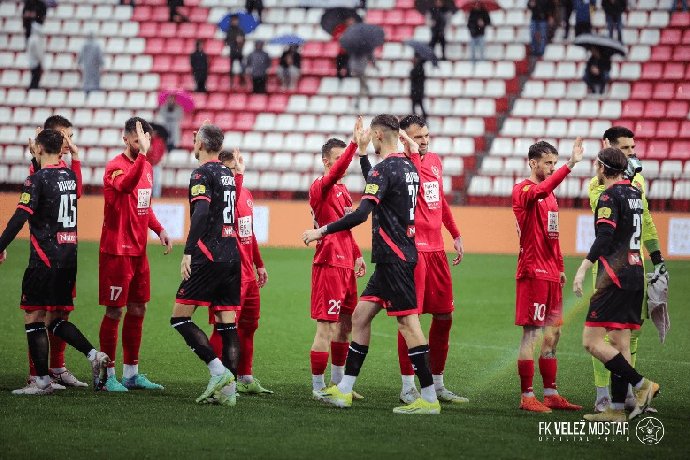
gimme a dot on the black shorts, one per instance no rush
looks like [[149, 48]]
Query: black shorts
[[48, 289], [615, 308], [392, 286], [213, 284]]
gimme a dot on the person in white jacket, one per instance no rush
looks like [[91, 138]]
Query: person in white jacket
[[36, 51]]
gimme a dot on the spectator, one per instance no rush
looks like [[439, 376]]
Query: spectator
[[235, 41], [597, 71], [478, 20], [358, 64], [439, 18], [155, 156], [174, 15], [258, 5], [258, 63], [614, 9], [290, 65], [583, 16], [170, 116], [542, 15], [417, 83], [567, 11], [342, 67], [91, 64], [36, 51], [34, 11], [674, 5], [199, 62]]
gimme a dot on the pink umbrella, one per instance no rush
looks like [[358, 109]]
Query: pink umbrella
[[182, 97]]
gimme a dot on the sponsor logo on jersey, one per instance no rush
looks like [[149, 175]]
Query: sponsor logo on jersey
[[67, 237], [410, 231], [634, 258], [198, 189], [25, 198], [228, 231], [371, 189], [604, 213]]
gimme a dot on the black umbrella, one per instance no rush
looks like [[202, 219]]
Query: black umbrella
[[423, 6], [606, 44], [333, 17], [160, 131], [362, 38], [423, 50]]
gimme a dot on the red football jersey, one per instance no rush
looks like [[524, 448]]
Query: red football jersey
[[127, 213], [329, 202], [250, 256], [536, 212], [432, 208]]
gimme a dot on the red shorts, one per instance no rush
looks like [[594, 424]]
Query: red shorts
[[333, 291], [123, 280], [434, 285], [250, 302], [538, 303]]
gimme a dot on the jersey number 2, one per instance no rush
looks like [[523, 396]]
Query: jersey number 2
[[635, 238], [67, 214]]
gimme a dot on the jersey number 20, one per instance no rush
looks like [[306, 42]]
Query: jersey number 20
[[67, 214]]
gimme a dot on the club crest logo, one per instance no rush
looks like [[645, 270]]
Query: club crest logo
[[250, 203], [435, 170], [150, 179], [649, 431]]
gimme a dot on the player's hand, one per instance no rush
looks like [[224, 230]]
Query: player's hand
[[165, 241], [659, 271], [144, 139], [186, 266], [239, 163], [360, 267], [73, 150], [563, 279], [261, 276], [33, 148], [578, 281], [460, 249], [312, 235], [3, 256], [409, 145], [577, 154]]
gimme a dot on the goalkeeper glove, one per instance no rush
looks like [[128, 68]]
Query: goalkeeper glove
[[634, 167], [659, 266]]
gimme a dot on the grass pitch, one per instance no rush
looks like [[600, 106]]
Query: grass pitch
[[289, 424]]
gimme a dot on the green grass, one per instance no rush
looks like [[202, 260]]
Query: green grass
[[481, 364]]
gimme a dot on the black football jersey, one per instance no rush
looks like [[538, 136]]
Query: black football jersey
[[215, 183], [393, 184], [50, 197], [620, 206]]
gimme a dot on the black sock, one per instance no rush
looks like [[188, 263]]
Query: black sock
[[195, 337], [420, 363], [231, 345], [70, 334], [38, 346], [619, 389], [619, 366], [355, 358]]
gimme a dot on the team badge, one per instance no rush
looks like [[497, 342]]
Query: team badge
[[25, 198], [250, 203], [435, 170], [371, 189], [148, 176], [604, 213]]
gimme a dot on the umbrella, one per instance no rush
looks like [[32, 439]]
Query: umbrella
[[183, 98], [608, 45], [423, 50], [333, 17], [247, 22], [161, 131], [423, 6], [489, 5], [287, 40], [362, 38]]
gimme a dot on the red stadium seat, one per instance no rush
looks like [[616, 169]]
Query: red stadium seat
[[155, 45], [683, 91], [160, 14], [312, 49], [174, 46], [664, 91], [187, 30], [405, 4], [257, 102], [167, 30], [680, 150], [680, 19], [413, 18], [684, 130], [655, 150], [237, 101], [375, 16], [633, 109], [645, 129], [681, 54], [662, 53], [308, 85], [277, 103], [169, 81], [677, 109], [244, 121], [654, 109], [641, 90], [202, 115], [206, 31], [652, 70], [181, 64], [216, 101], [148, 29], [330, 49], [224, 120], [670, 36], [686, 37], [394, 17], [667, 129], [162, 63], [674, 71]]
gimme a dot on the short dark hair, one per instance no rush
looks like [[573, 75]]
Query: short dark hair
[[211, 137], [50, 140], [410, 120], [330, 144], [539, 149], [386, 121], [614, 132], [56, 122], [614, 161], [131, 125], [226, 155]]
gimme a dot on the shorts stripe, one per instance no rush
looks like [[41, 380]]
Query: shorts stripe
[[193, 302], [612, 325]]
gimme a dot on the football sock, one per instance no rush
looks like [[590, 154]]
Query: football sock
[[69, 333], [526, 373], [38, 346], [618, 406], [338, 358], [216, 343], [429, 394], [603, 392], [319, 361], [439, 336], [602, 376], [419, 356], [548, 367], [246, 330], [43, 380], [408, 381], [132, 328], [92, 354], [215, 367], [347, 383], [633, 348], [129, 370], [403, 358], [108, 339], [32, 368], [355, 358], [438, 381], [246, 379], [195, 338], [619, 389], [231, 345], [618, 365], [57, 350]]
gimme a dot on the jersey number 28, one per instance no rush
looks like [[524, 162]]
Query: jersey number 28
[[229, 211]]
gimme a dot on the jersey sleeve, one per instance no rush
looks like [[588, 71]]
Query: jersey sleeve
[[31, 190], [154, 223], [122, 181], [76, 169], [356, 252], [606, 211], [594, 192], [199, 186], [256, 254], [377, 185], [339, 168], [650, 236], [449, 220]]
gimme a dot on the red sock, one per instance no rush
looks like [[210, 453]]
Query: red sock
[[439, 336], [32, 368], [526, 372], [108, 337], [245, 331], [548, 367], [216, 342], [403, 358], [57, 351], [339, 353], [319, 361], [131, 338]]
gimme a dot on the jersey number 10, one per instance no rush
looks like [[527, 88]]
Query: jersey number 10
[[67, 214]]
